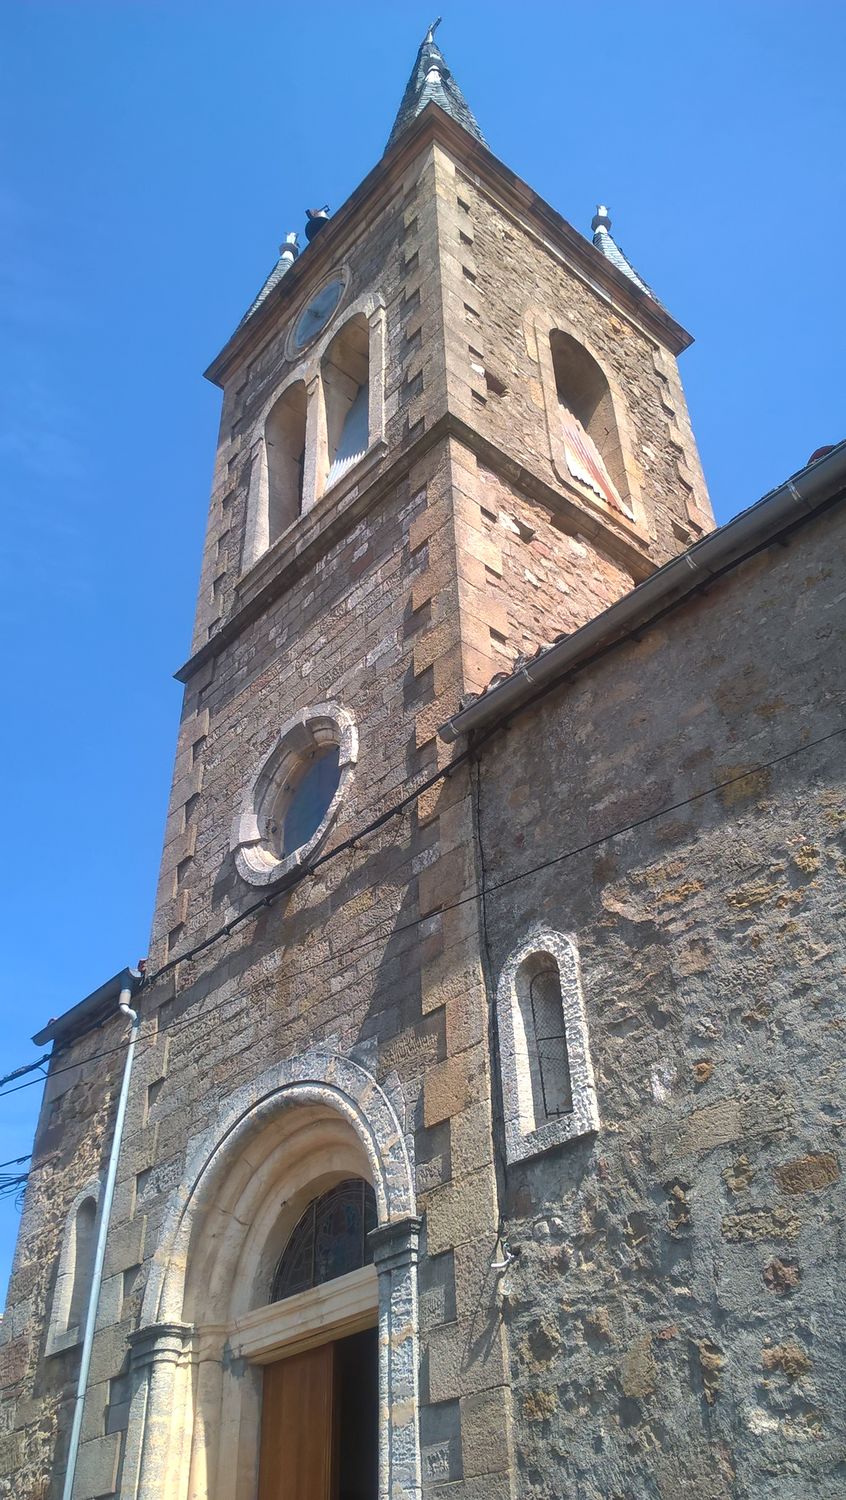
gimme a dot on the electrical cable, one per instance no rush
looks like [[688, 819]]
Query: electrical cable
[[348, 843], [27, 1068], [491, 888], [780, 537], [311, 869]]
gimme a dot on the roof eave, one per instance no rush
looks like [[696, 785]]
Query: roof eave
[[799, 499], [91, 1011], [434, 125]]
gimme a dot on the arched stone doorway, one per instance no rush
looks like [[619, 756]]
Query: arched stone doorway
[[208, 1326]]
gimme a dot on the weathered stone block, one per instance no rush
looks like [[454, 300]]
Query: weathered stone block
[[807, 1174], [97, 1466], [461, 1211], [486, 1431]]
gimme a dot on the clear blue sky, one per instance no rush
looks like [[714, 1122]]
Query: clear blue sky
[[157, 151]]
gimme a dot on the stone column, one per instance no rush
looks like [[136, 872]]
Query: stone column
[[376, 376], [315, 465], [257, 532], [207, 1356], [151, 1465], [395, 1257]]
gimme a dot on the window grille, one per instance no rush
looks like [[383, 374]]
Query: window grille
[[550, 1043]]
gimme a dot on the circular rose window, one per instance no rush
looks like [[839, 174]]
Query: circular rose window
[[295, 794]]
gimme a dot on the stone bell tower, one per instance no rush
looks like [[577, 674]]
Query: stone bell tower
[[450, 376], [452, 429]]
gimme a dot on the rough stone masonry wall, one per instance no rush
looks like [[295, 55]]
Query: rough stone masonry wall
[[373, 622], [389, 251], [675, 1313], [70, 1148], [525, 579], [343, 960], [498, 275]]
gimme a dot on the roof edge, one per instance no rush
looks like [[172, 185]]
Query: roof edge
[[434, 126], [91, 1011], [798, 500]]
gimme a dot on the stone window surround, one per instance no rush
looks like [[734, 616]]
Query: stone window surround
[[60, 1335], [215, 1249], [523, 1138], [308, 370], [320, 725], [543, 325]]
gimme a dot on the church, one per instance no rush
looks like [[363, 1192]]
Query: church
[[473, 1128]]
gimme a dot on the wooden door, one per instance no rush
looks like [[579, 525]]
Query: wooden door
[[297, 1458]]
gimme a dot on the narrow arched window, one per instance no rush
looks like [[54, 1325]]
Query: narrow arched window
[[75, 1272], [588, 425], [329, 1240], [83, 1261], [284, 437], [547, 1078], [345, 371], [539, 992]]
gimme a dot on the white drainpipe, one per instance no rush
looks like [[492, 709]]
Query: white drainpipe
[[100, 1252]]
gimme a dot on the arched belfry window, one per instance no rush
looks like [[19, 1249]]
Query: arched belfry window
[[329, 1240], [345, 370], [547, 1077], [319, 433], [588, 425], [285, 438]]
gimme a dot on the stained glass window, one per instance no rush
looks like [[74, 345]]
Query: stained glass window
[[329, 1240]]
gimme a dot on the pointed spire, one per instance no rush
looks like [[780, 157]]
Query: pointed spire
[[288, 252], [432, 82], [601, 226]]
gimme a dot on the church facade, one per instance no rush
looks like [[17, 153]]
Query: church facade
[[474, 1126]]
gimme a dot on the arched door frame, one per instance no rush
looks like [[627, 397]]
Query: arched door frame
[[174, 1361]]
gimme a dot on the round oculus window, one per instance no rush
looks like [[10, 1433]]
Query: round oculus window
[[306, 799], [295, 794], [316, 314]]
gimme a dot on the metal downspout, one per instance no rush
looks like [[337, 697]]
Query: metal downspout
[[100, 1252]]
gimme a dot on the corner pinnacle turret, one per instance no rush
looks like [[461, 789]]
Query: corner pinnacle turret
[[604, 242], [431, 82]]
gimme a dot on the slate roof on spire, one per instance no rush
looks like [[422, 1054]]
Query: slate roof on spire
[[601, 226], [431, 82], [288, 252]]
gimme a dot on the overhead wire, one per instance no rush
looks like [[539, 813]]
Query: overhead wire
[[350, 843], [490, 889], [27, 1068]]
